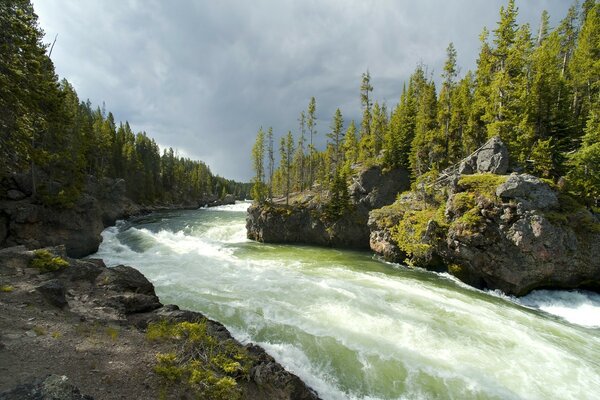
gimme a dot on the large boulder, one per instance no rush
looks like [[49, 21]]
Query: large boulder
[[511, 233], [531, 192]]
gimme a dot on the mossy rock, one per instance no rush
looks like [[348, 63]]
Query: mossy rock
[[482, 184]]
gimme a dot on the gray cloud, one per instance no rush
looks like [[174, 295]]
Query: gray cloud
[[203, 76]]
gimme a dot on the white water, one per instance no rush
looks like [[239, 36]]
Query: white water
[[352, 327]]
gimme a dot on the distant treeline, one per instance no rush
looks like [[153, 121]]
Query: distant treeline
[[540, 92], [48, 132]]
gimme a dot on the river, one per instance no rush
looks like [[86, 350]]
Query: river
[[353, 327]]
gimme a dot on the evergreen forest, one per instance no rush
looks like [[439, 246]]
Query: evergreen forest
[[48, 132]]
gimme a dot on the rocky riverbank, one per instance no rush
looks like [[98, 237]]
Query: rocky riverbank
[[308, 220], [102, 332], [24, 220]]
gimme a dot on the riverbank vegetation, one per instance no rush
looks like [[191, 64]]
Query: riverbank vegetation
[[60, 140], [539, 91]]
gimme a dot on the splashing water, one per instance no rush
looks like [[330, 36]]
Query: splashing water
[[356, 328]]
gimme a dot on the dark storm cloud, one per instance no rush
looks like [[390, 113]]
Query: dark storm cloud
[[203, 76]]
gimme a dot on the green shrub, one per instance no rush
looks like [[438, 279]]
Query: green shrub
[[45, 261], [202, 364], [6, 288], [409, 234]]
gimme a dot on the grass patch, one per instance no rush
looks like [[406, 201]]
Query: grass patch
[[112, 332], [202, 364], [40, 331], [482, 184], [44, 261]]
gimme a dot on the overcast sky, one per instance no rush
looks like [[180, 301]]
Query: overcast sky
[[203, 76]]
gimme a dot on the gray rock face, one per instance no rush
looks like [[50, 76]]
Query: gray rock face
[[52, 387], [25, 221], [491, 157], [529, 191], [307, 222], [517, 250]]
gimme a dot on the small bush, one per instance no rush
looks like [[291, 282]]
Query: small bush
[[6, 288], [45, 261], [410, 232]]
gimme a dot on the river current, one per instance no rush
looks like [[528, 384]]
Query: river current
[[353, 327]]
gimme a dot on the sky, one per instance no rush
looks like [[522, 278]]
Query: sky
[[204, 76]]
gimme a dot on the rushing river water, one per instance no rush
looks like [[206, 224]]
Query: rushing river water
[[353, 327]]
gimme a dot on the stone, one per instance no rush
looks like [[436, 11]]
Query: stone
[[492, 157], [125, 279], [14, 194], [52, 387], [54, 292], [530, 191]]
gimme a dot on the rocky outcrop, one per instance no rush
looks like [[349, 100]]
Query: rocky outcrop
[[513, 233], [89, 322], [24, 220], [308, 219]]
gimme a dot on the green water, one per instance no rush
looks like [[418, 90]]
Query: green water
[[353, 327]]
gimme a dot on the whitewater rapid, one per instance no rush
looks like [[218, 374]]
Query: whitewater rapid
[[353, 327]]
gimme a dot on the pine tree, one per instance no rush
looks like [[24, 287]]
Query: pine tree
[[442, 141], [585, 68], [335, 136], [366, 144], [311, 121], [299, 157], [271, 158], [286, 151], [259, 188], [477, 132], [378, 129], [350, 148]]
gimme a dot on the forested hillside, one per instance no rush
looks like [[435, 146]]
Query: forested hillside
[[47, 131], [538, 90]]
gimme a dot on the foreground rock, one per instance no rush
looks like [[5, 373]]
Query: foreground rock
[[85, 326], [308, 219], [24, 220], [513, 233]]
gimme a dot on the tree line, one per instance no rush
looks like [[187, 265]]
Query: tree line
[[48, 132], [538, 91]]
